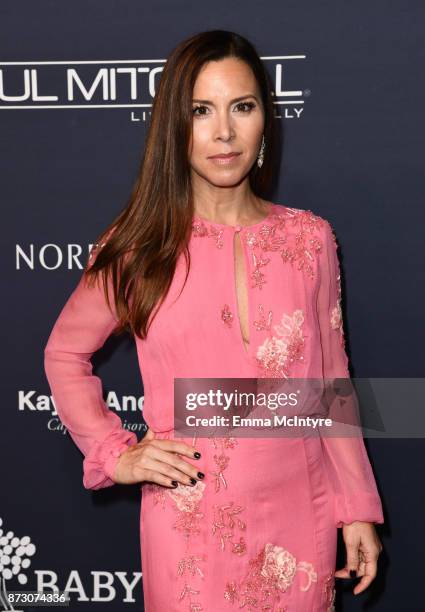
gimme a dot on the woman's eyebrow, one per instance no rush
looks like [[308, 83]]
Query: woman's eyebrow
[[231, 101]]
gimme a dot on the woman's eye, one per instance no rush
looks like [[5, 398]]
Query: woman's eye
[[196, 108], [248, 105]]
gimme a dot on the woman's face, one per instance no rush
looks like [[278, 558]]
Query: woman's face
[[227, 117]]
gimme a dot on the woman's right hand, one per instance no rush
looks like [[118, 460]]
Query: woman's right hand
[[157, 461]]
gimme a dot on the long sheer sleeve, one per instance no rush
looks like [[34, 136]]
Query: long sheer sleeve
[[82, 328], [348, 466]]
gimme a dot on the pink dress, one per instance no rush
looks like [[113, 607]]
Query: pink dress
[[259, 532]]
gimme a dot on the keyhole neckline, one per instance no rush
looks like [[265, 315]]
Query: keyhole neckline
[[237, 227]]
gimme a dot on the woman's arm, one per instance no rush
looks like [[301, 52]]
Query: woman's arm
[[82, 328], [346, 459]]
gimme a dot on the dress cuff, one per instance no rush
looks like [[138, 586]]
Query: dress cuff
[[99, 464], [365, 507]]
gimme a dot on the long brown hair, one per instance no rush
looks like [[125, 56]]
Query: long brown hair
[[138, 251]]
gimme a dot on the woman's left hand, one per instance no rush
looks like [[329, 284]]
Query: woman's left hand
[[363, 548]]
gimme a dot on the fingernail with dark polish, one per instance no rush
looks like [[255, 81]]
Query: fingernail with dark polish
[[197, 455], [193, 481], [174, 483], [353, 574], [200, 475]]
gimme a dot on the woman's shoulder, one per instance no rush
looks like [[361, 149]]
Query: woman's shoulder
[[302, 218], [307, 228]]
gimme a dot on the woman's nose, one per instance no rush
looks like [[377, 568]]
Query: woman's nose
[[224, 128]]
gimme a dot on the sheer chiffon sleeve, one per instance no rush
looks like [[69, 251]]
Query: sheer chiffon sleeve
[[82, 327], [347, 463]]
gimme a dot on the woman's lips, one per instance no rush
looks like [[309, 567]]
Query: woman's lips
[[224, 155], [224, 159]]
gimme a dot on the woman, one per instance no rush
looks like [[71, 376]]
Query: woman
[[214, 281]]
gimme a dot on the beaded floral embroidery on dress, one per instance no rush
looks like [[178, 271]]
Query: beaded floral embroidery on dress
[[336, 313], [221, 460], [263, 323], [277, 354], [270, 573], [226, 315], [275, 235], [336, 319], [330, 591], [201, 229], [186, 501], [157, 492], [187, 497], [301, 250], [226, 520], [227, 517]]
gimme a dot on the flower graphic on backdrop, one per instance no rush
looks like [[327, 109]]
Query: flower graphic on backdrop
[[15, 553]]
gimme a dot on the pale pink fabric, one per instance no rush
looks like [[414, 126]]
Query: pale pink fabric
[[262, 525]]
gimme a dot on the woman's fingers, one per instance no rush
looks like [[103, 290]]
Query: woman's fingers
[[175, 446], [171, 465], [369, 555], [362, 551], [370, 571], [158, 460], [362, 566], [164, 474], [352, 563]]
